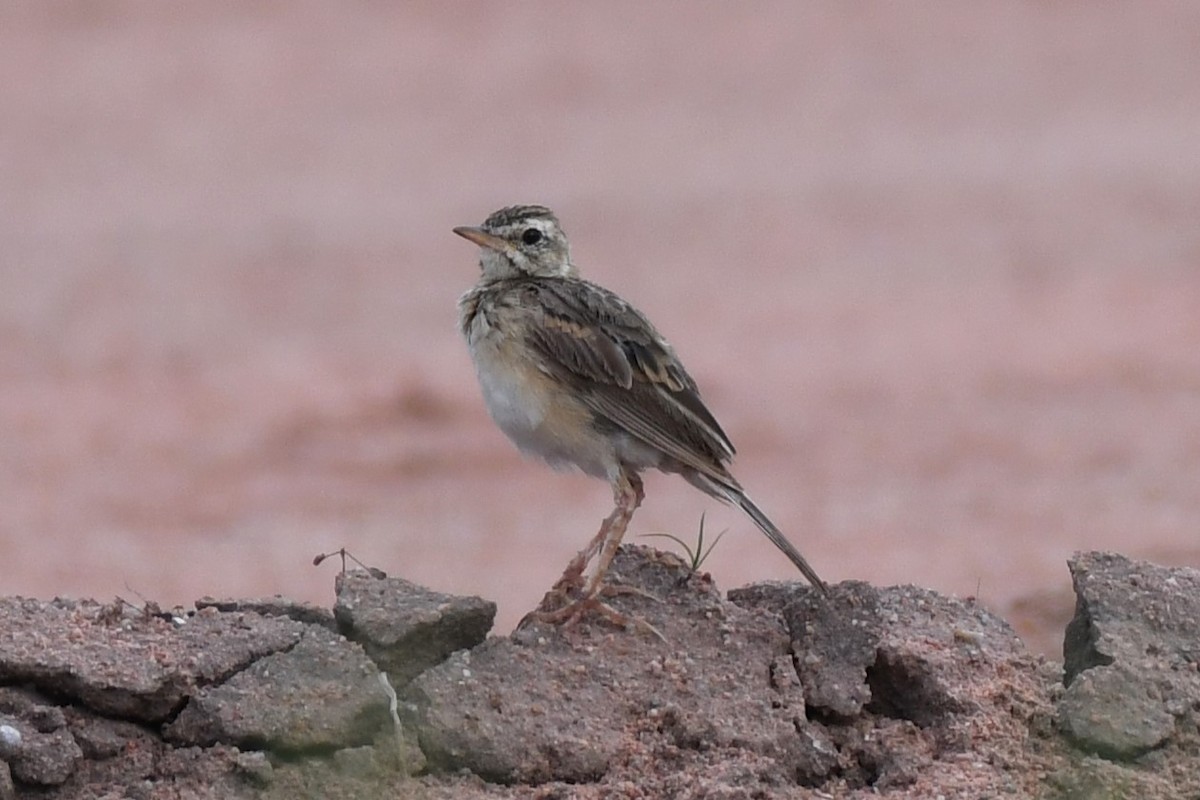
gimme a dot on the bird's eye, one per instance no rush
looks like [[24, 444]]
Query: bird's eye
[[531, 236]]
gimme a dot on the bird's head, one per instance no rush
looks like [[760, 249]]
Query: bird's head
[[521, 241]]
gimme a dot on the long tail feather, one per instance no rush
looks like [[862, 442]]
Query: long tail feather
[[728, 490], [778, 539]]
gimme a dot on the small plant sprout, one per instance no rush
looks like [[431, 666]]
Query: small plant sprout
[[699, 554]]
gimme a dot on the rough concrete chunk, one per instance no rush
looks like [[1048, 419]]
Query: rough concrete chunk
[[1114, 714], [903, 652], [406, 628], [1130, 611], [34, 738], [322, 694], [552, 705], [1130, 656], [124, 663], [895, 693], [43, 759], [915, 679], [935, 675], [277, 606], [835, 640]]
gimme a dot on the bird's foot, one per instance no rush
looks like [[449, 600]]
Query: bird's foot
[[571, 614], [569, 583]]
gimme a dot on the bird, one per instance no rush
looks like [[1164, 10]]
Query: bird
[[578, 377]]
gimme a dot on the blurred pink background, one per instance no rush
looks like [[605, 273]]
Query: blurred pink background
[[937, 271]]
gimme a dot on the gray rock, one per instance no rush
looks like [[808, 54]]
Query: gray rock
[[906, 681], [34, 739], [835, 640], [102, 738], [359, 762], [865, 649], [1130, 655], [406, 628], [1115, 714], [201, 773], [277, 606], [45, 759], [128, 664], [38, 712], [923, 668], [322, 694], [548, 704], [871, 692], [254, 767], [1131, 610]]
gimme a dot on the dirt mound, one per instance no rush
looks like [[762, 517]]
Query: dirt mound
[[771, 691]]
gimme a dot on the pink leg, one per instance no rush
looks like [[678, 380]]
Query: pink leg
[[628, 495], [574, 572]]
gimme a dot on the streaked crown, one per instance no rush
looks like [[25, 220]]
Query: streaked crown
[[521, 240]]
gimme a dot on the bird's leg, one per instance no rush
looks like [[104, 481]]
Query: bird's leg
[[627, 496], [572, 576]]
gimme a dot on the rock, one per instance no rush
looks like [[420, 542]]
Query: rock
[[774, 692], [202, 773], [45, 759], [406, 628], [548, 705], [129, 664], [276, 606], [322, 694], [1130, 655], [1113, 713], [10, 739], [934, 678], [833, 643], [34, 739], [870, 689], [255, 767], [1127, 610], [359, 762], [101, 738]]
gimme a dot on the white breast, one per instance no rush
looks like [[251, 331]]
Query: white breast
[[539, 417], [510, 395], [517, 410]]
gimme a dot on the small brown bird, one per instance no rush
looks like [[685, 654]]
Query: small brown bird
[[575, 375]]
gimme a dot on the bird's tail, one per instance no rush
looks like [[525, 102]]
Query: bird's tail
[[739, 498], [728, 490]]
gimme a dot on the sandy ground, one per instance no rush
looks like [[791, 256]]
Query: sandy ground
[[937, 272]]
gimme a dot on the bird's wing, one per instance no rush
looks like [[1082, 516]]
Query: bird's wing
[[624, 370]]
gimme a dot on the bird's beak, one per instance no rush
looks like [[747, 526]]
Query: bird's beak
[[483, 239]]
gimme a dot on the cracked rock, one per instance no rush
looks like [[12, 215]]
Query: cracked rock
[[933, 675], [124, 663], [1130, 655], [835, 640], [34, 738], [44, 759], [1130, 610], [322, 694], [101, 738], [1112, 713], [406, 628], [276, 606], [894, 692], [546, 705]]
